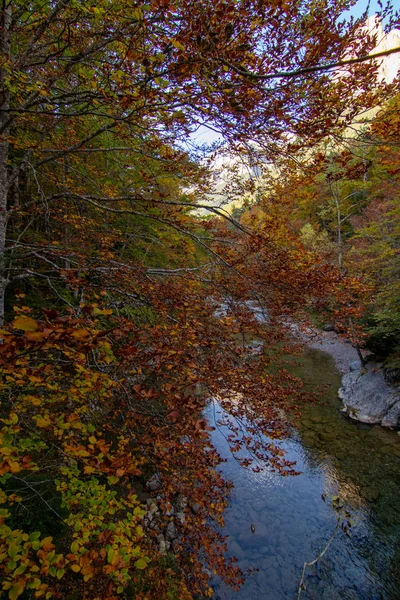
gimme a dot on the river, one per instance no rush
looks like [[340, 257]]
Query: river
[[291, 521]]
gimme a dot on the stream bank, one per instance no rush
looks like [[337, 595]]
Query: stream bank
[[366, 394]]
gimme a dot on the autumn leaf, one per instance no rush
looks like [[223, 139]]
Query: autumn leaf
[[16, 590], [141, 564], [25, 324]]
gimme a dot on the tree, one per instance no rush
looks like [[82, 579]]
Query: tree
[[78, 76], [111, 342]]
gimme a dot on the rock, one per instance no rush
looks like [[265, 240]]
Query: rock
[[316, 419], [195, 508], [171, 532], [355, 365], [154, 483], [368, 398], [162, 547], [392, 418], [340, 454], [181, 517], [326, 436], [255, 347], [180, 503], [329, 327]]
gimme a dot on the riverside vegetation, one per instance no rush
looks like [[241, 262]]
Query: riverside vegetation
[[110, 279]]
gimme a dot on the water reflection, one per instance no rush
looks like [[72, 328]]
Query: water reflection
[[291, 522]]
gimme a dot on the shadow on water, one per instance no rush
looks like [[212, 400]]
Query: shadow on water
[[292, 524]]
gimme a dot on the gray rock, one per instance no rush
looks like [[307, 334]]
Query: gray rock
[[171, 532], [195, 508], [181, 517], [255, 347], [162, 547], [154, 483], [355, 365], [329, 327], [392, 418], [368, 398]]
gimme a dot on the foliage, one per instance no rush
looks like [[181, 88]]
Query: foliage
[[110, 285]]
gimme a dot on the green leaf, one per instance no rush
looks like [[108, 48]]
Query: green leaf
[[110, 555], [141, 564], [112, 479], [16, 590], [13, 550]]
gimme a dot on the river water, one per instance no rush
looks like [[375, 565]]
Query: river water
[[292, 523]]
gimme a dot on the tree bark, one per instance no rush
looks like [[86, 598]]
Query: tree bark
[[4, 146]]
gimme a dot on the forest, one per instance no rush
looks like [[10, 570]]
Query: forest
[[114, 262]]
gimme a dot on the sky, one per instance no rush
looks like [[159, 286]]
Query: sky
[[207, 136]]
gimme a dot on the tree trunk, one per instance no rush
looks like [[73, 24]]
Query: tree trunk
[[4, 146]]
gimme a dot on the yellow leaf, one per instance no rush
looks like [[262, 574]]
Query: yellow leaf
[[43, 421], [75, 568], [177, 45], [25, 323], [15, 467], [16, 590], [81, 334], [5, 451], [88, 470]]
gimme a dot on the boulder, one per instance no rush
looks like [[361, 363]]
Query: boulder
[[368, 398]]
